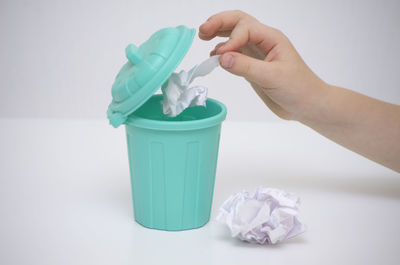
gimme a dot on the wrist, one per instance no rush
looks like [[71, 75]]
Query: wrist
[[314, 107]]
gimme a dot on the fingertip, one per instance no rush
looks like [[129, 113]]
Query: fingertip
[[205, 31], [229, 46], [208, 29], [205, 36], [220, 50], [202, 36], [252, 69], [226, 60], [204, 27]]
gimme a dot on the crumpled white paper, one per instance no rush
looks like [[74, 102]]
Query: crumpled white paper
[[268, 216], [177, 95]]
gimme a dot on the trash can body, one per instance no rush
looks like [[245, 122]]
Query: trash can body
[[173, 164]]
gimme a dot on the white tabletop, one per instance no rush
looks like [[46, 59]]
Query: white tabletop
[[65, 199]]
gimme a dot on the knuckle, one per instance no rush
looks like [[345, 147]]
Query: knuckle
[[280, 34], [240, 13]]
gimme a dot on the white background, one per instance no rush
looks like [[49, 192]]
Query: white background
[[58, 59], [64, 178]]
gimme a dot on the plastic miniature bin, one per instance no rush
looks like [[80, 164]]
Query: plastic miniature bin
[[173, 163]]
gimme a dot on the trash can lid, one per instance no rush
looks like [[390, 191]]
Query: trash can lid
[[148, 67]]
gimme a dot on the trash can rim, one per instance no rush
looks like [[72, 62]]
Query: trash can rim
[[141, 122]]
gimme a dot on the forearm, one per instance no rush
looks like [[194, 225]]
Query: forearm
[[365, 125], [292, 91]]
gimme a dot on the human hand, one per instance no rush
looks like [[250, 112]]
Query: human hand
[[267, 59]]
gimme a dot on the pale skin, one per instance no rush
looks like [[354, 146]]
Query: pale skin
[[265, 57]]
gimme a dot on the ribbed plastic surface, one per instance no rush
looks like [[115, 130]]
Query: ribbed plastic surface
[[173, 172]]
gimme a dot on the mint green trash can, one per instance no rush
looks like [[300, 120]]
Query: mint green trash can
[[173, 164], [172, 161]]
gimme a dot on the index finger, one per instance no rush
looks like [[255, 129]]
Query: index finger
[[241, 29], [221, 22]]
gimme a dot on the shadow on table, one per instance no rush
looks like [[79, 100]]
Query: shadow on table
[[384, 187], [223, 235]]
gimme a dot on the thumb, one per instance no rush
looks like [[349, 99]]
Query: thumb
[[252, 69]]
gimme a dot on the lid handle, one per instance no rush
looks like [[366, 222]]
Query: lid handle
[[133, 54]]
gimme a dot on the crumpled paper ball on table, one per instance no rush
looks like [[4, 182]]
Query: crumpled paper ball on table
[[268, 216]]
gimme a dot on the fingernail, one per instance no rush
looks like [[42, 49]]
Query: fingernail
[[227, 61]]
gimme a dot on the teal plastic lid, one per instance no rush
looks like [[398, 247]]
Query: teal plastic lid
[[148, 67]]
